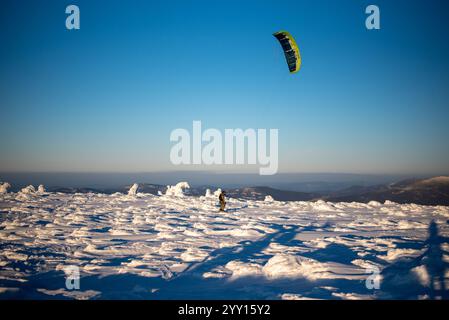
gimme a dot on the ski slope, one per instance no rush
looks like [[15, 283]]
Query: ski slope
[[174, 246]]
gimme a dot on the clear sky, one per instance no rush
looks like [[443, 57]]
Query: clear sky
[[106, 97]]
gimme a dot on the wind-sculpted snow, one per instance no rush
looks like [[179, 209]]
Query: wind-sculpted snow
[[178, 246], [4, 187], [177, 190]]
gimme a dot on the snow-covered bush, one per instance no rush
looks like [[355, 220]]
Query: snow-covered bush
[[211, 195], [4, 187], [217, 192], [177, 190], [208, 193], [28, 190], [133, 190]]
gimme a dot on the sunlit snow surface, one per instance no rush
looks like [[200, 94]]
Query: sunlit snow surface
[[178, 247]]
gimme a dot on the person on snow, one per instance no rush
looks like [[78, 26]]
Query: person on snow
[[222, 199]]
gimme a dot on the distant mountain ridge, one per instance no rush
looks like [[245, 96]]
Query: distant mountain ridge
[[259, 193], [431, 191]]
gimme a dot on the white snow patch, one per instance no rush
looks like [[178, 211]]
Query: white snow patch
[[352, 296], [295, 296], [75, 294]]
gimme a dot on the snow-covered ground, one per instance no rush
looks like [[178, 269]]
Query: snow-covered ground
[[142, 246]]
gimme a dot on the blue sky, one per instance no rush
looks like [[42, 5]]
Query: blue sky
[[106, 97]]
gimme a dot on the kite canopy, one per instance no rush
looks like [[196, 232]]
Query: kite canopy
[[291, 50]]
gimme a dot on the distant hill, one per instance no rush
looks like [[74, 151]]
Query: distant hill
[[143, 187], [259, 193], [432, 191]]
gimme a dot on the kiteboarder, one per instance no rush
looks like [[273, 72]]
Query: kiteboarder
[[221, 197]]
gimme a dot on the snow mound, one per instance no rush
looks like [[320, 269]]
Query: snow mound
[[4, 187], [288, 266], [268, 198], [133, 190], [322, 205], [208, 194], [237, 233], [28, 190], [193, 255], [241, 269], [177, 190], [422, 275], [395, 254], [280, 266]]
